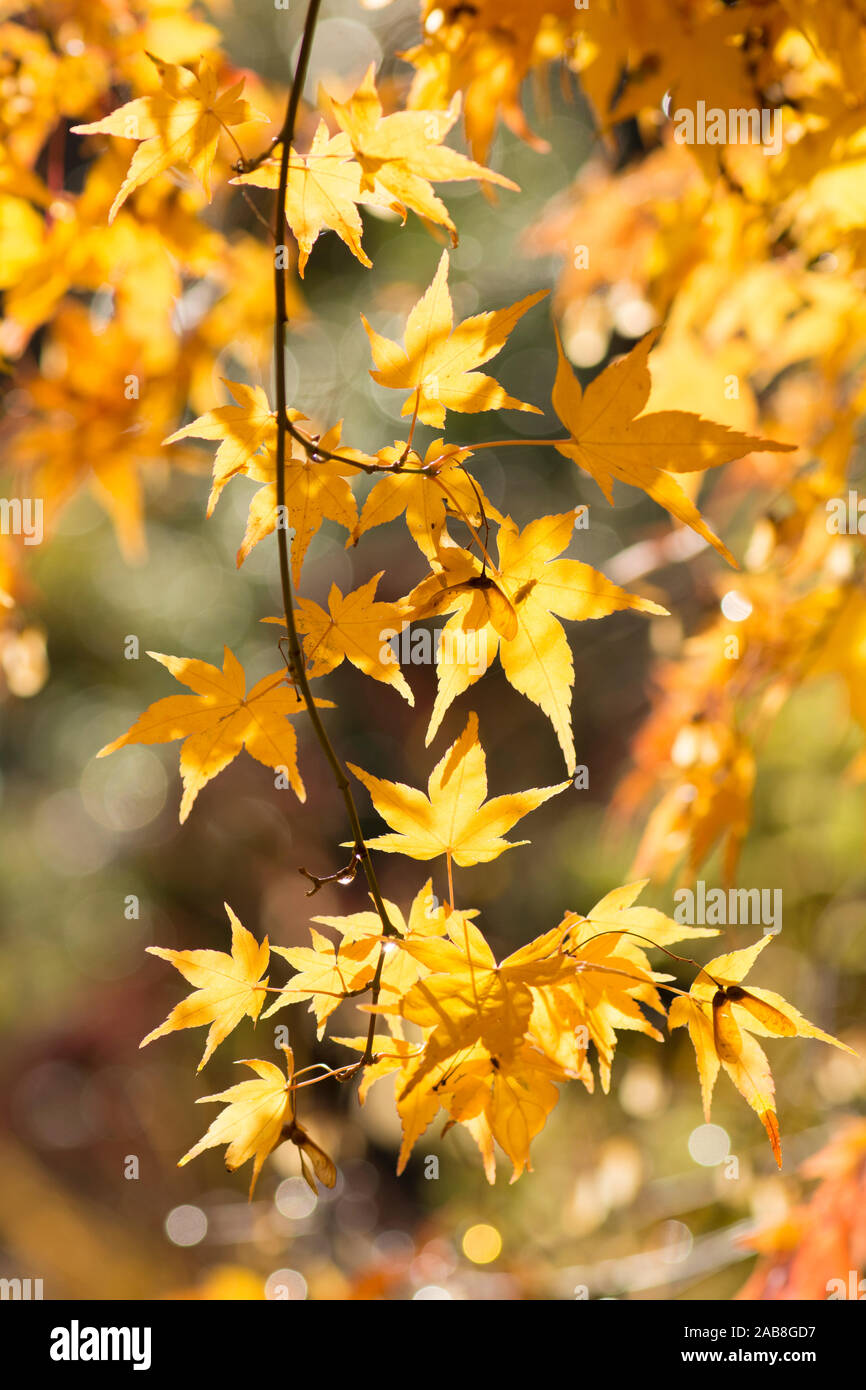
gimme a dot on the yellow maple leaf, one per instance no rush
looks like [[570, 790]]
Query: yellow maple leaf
[[503, 1099], [392, 1054], [639, 926], [506, 1100], [611, 982], [520, 1097], [610, 439], [469, 999], [512, 609], [181, 123], [453, 818], [485, 51], [476, 1060], [702, 63], [356, 627], [327, 974], [219, 720], [244, 430], [316, 488], [323, 191], [85, 429], [721, 1017], [403, 153], [427, 917], [227, 987], [258, 1116], [428, 499], [717, 765], [436, 364]]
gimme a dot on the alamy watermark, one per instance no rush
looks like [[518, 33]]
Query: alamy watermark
[[737, 126], [77, 1343], [445, 646], [24, 1290], [846, 516], [22, 516], [854, 1288], [731, 907]]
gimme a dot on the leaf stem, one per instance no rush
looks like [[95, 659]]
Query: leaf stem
[[528, 443], [405, 453]]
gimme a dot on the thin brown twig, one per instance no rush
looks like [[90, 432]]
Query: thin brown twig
[[295, 658]]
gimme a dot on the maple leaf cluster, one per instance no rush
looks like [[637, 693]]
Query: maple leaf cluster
[[731, 261]]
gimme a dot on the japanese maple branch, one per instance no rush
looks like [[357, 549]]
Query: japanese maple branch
[[295, 658], [286, 427]]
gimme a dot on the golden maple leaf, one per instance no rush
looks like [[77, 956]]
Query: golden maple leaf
[[610, 439], [356, 626], [702, 62], [485, 51], [324, 188], [717, 764], [258, 1116], [327, 974], [219, 720], [436, 364], [392, 1054], [316, 488], [721, 1018], [453, 818], [404, 154], [469, 999], [445, 489], [245, 429], [227, 987], [181, 123], [611, 982], [512, 609], [503, 1099], [85, 430]]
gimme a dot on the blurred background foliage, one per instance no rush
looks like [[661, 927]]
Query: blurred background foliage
[[632, 1195]]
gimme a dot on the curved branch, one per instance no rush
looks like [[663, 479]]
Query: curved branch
[[295, 657]]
